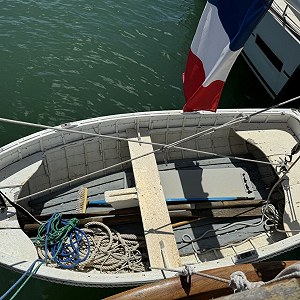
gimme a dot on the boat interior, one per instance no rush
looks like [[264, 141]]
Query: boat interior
[[214, 203], [210, 196]]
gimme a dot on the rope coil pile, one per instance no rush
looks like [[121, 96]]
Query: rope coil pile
[[112, 252], [96, 246], [61, 242]]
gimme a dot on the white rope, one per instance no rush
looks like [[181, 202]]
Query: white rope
[[205, 132], [86, 176], [188, 270], [163, 148], [239, 282], [112, 252], [290, 270], [225, 156], [274, 106], [231, 122], [267, 215], [274, 217], [98, 172]]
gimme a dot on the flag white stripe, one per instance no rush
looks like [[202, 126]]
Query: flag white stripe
[[209, 50]]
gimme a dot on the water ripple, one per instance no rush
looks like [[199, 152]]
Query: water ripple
[[67, 60]]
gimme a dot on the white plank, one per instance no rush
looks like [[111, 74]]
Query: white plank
[[123, 198], [159, 235]]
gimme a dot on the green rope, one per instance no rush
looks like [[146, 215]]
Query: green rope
[[24, 283], [64, 241], [56, 233], [53, 233]]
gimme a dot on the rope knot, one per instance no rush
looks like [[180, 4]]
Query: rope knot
[[239, 282], [187, 271]]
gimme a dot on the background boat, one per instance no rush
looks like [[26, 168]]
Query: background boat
[[272, 51], [211, 288]]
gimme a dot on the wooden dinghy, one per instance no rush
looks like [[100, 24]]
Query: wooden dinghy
[[200, 287], [167, 189]]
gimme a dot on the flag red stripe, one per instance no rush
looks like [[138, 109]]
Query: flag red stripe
[[218, 40], [194, 75], [209, 96], [193, 79]]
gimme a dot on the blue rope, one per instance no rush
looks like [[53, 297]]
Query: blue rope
[[29, 272], [64, 241], [62, 253]]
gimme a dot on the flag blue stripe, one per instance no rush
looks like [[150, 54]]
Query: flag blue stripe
[[239, 18]]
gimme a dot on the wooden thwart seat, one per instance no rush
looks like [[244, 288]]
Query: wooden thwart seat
[[159, 235]]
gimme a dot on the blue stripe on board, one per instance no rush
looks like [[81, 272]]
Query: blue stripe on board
[[174, 200], [240, 17], [97, 202]]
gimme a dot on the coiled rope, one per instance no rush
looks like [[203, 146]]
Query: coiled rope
[[96, 246], [163, 148], [271, 216], [60, 241], [113, 252]]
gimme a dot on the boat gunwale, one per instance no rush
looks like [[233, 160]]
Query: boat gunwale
[[151, 114]]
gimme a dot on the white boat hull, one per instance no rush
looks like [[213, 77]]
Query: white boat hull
[[67, 156]]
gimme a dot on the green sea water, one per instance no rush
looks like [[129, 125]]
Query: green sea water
[[66, 60]]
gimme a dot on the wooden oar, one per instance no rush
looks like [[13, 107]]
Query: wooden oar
[[173, 207], [117, 219], [181, 214], [178, 217]]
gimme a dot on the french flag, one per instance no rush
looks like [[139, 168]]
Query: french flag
[[223, 29]]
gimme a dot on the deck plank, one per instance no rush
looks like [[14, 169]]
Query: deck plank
[[159, 235]]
